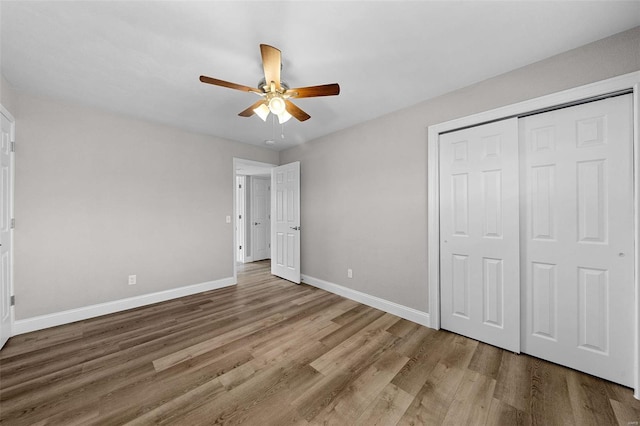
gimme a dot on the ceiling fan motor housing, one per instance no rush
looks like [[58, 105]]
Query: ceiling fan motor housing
[[262, 84]]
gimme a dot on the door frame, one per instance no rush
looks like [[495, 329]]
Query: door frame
[[625, 83], [237, 162], [12, 139], [240, 205]]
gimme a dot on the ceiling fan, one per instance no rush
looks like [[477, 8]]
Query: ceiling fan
[[274, 93]]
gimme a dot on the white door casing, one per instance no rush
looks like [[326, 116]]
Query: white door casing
[[479, 233], [260, 222], [577, 239], [6, 231], [245, 168], [240, 218], [285, 219]]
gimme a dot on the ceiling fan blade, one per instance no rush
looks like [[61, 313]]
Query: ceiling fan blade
[[296, 112], [249, 111], [313, 91], [272, 63], [222, 83]]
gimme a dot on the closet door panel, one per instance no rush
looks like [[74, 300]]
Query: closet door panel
[[480, 289], [577, 237]]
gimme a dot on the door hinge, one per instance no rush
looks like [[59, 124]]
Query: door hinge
[[239, 216], [13, 147], [240, 186], [13, 300], [13, 223], [240, 248], [269, 245]]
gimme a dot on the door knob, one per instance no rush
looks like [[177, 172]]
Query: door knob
[[295, 228], [257, 223]]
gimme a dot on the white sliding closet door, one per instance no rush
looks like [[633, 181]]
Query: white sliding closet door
[[479, 233], [578, 244]]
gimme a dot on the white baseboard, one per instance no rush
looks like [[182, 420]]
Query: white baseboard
[[65, 317], [402, 311]]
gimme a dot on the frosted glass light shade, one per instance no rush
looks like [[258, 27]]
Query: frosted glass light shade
[[284, 117], [262, 111], [276, 105]]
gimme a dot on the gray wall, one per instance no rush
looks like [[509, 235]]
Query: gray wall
[[101, 196], [364, 189]]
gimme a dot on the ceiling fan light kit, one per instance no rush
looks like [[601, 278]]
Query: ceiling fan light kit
[[275, 94]]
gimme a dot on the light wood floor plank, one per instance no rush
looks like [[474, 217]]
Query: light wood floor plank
[[387, 408], [365, 388], [432, 403], [472, 400], [269, 352], [501, 413]]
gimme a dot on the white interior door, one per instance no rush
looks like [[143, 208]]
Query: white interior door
[[578, 246], [260, 222], [285, 217], [479, 233], [6, 209]]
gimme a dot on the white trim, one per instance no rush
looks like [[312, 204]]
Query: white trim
[[65, 317], [623, 82], [234, 215], [626, 81], [636, 191], [239, 223], [433, 226], [402, 311], [12, 138]]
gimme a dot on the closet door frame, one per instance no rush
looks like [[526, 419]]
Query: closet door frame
[[629, 83]]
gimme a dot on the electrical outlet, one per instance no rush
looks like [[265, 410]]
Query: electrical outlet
[[132, 279], [349, 273]]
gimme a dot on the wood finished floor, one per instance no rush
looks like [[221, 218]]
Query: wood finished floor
[[268, 352]]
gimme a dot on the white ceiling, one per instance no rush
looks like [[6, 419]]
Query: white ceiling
[[143, 59]]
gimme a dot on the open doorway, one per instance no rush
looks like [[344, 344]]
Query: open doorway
[[251, 211]]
